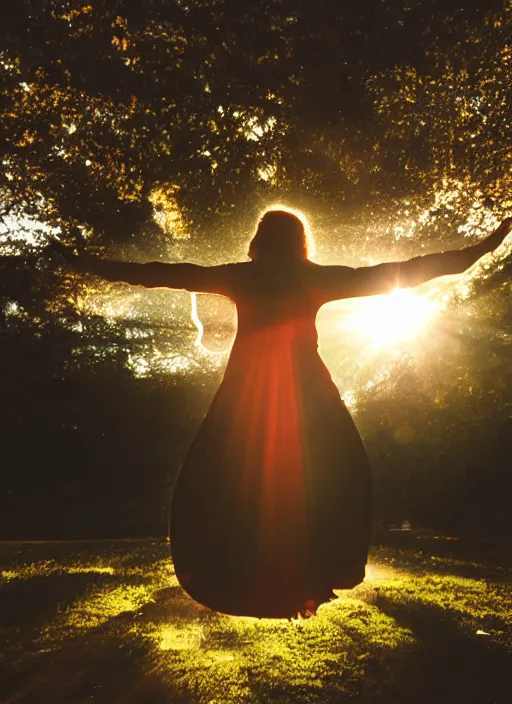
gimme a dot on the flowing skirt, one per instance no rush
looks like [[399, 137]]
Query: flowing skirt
[[271, 510]]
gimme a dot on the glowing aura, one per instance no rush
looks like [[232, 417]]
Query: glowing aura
[[298, 214]]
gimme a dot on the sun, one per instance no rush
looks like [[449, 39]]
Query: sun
[[394, 318]]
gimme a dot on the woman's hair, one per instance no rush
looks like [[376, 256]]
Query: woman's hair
[[280, 235]]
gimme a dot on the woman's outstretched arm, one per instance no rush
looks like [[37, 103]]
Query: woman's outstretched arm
[[191, 277], [383, 278]]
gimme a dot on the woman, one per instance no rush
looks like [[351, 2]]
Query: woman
[[271, 510]]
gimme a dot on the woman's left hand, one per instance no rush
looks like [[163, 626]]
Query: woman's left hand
[[79, 262], [62, 250]]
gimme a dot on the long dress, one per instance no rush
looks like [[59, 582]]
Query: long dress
[[271, 510]]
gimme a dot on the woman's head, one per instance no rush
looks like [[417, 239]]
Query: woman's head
[[280, 235]]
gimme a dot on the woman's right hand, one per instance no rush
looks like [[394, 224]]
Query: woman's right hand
[[496, 238]]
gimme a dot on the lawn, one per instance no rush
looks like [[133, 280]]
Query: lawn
[[106, 621]]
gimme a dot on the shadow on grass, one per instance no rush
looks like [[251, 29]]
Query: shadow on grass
[[106, 663], [29, 604], [447, 663]]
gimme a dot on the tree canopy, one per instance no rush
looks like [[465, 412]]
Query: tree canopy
[[122, 118]]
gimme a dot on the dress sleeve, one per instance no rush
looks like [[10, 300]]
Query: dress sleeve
[[335, 282], [200, 279], [191, 277]]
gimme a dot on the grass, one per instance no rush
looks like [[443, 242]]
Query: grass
[[108, 622]]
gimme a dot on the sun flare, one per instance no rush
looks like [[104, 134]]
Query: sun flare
[[396, 317]]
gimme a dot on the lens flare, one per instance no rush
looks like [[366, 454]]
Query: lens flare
[[197, 321], [399, 316]]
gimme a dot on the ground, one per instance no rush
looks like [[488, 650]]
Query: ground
[[106, 621]]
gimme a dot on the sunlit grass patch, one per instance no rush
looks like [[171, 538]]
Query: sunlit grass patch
[[366, 622], [32, 569], [471, 600], [227, 658], [184, 638], [46, 568], [111, 590], [104, 604]]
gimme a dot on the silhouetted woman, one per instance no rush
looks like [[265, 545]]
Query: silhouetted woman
[[271, 510]]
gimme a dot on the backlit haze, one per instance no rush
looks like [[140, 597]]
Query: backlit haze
[[376, 331], [361, 340]]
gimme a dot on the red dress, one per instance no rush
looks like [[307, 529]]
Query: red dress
[[271, 510]]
